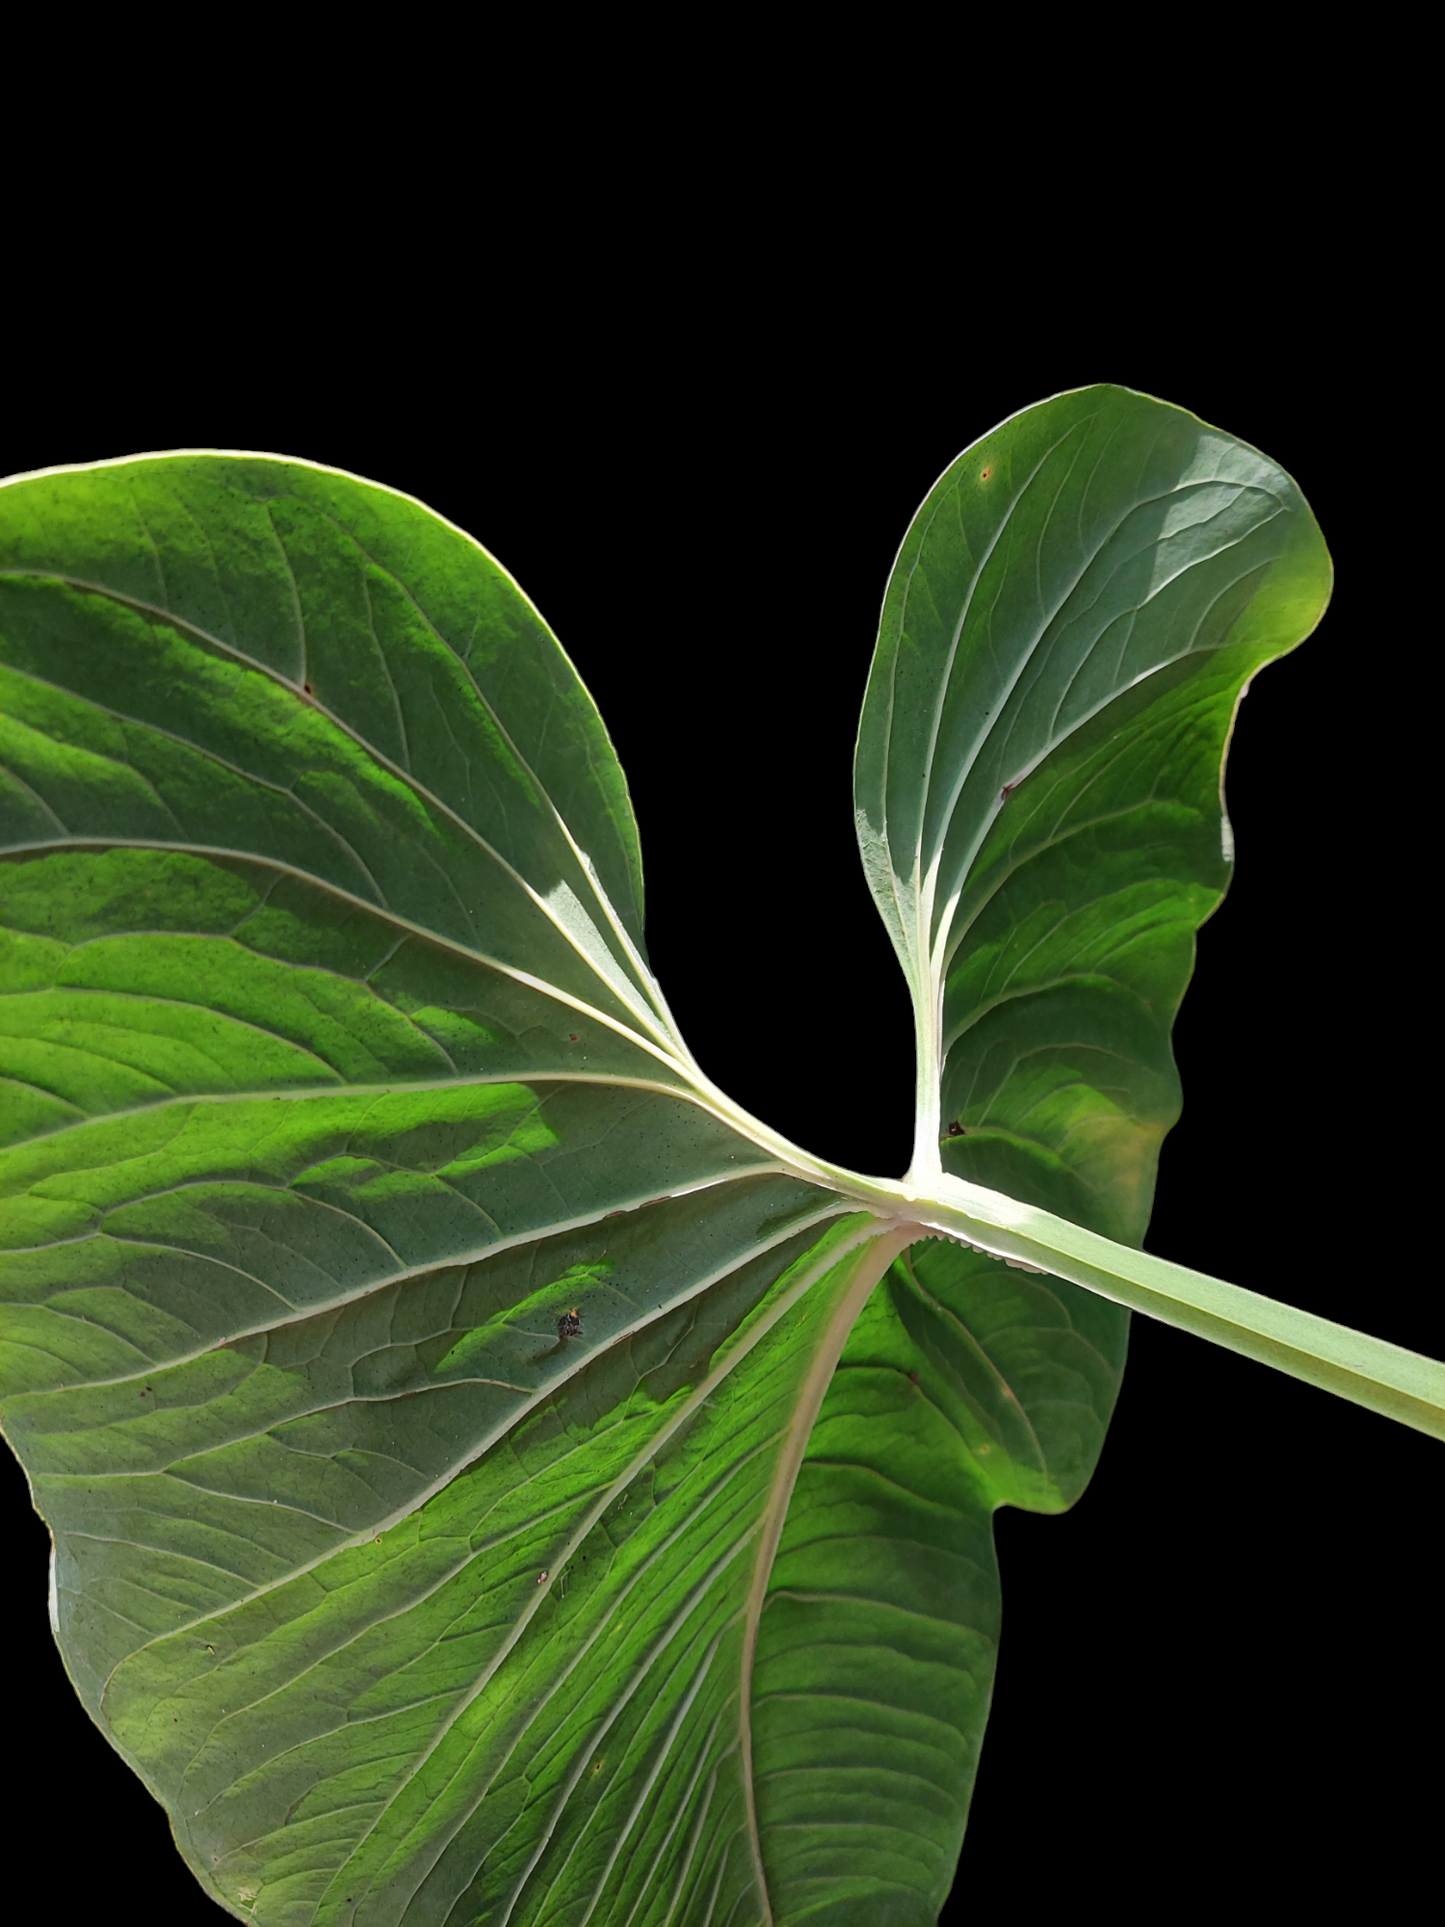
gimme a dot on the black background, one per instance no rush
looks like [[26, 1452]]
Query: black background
[[1215, 1671]]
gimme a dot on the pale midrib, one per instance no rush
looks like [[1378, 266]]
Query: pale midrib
[[945, 949], [442, 1579], [694, 1084], [384, 911], [478, 1447], [403, 1273], [645, 1011], [928, 984], [195, 1457], [870, 1268], [265, 503], [945, 677], [644, 976], [643, 1457], [942, 949], [618, 1707]]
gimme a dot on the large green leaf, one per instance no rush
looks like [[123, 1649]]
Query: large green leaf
[[430, 1378], [323, 1122]]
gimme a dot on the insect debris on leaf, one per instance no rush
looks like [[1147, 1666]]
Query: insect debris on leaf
[[569, 1324]]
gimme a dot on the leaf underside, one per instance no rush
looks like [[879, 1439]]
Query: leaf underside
[[335, 1078]]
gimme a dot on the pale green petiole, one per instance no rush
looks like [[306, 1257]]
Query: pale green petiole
[[1386, 1378]]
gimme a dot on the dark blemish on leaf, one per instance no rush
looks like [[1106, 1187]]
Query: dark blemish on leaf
[[571, 1037], [306, 689], [985, 474], [1008, 789], [569, 1324], [541, 1578], [956, 1129], [913, 1378]]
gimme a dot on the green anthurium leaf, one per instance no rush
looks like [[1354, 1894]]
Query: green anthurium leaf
[[431, 1380]]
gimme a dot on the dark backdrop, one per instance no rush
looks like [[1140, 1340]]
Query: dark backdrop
[[1214, 1670]]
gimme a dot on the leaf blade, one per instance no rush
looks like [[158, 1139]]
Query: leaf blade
[[371, 1153], [1076, 551], [292, 608]]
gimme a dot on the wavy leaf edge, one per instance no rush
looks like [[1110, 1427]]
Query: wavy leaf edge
[[858, 1226]]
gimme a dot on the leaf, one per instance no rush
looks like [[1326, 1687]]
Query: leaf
[[430, 1378], [1074, 614], [1072, 617], [345, 1080]]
